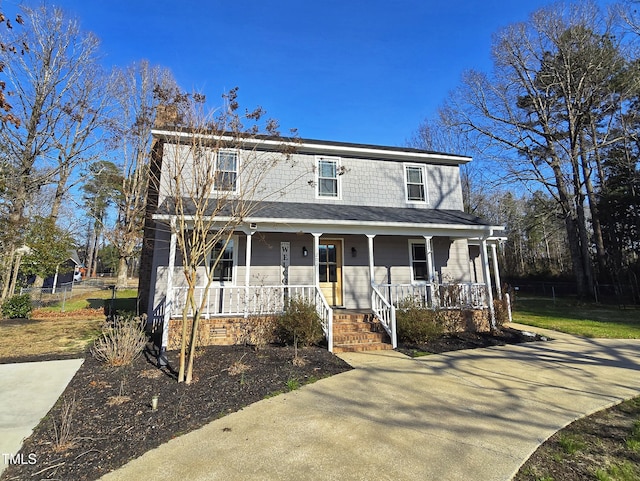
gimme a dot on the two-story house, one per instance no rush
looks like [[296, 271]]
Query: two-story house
[[354, 228]]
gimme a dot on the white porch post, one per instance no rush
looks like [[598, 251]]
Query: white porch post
[[496, 270], [431, 275], [487, 279], [316, 258], [372, 276], [168, 303], [247, 273]]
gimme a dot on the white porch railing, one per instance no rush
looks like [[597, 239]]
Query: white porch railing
[[385, 312], [254, 300], [432, 295]]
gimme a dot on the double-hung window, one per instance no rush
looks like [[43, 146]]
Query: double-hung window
[[418, 259], [328, 177], [226, 175], [415, 176], [223, 271]]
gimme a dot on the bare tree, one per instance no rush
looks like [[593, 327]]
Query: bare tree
[[214, 179], [42, 83], [559, 84], [136, 95], [6, 117]]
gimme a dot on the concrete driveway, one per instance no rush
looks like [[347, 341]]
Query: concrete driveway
[[465, 415], [27, 392]]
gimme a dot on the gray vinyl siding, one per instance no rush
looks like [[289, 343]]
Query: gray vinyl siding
[[364, 181]]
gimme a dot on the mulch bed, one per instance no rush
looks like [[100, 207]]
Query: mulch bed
[[471, 340], [112, 420]]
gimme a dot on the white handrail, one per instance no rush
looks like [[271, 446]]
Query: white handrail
[[385, 312], [326, 317]]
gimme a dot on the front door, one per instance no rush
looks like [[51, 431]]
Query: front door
[[330, 257]]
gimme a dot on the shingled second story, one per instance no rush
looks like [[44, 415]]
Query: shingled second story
[[318, 172]]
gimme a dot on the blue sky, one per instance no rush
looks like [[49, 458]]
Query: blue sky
[[346, 70]]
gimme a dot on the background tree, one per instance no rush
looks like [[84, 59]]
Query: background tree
[[101, 189], [135, 94], [548, 111], [49, 247], [6, 117], [44, 82]]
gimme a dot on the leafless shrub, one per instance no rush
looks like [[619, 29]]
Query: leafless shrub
[[299, 361], [238, 367], [62, 434], [121, 398], [121, 342]]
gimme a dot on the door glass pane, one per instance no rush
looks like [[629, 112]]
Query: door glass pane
[[323, 254], [333, 273], [323, 273], [332, 253]]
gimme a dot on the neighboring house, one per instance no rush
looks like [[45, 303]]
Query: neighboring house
[[354, 228]]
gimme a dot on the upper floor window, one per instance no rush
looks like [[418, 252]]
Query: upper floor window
[[328, 178], [416, 183], [226, 170]]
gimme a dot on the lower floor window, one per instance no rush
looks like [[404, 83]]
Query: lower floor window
[[224, 270], [419, 261]]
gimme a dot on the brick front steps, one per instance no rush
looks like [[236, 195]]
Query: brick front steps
[[355, 332]]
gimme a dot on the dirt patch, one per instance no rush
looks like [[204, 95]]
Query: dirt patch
[[34, 339]]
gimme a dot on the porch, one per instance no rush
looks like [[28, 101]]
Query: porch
[[370, 267], [345, 330]]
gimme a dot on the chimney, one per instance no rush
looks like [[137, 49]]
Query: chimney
[[166, 115]]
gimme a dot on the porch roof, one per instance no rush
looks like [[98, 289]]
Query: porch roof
[[297, 216]]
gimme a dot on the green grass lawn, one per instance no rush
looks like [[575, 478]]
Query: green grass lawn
[[93, 299], [580, 318]]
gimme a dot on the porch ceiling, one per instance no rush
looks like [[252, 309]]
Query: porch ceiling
[[346, 219]]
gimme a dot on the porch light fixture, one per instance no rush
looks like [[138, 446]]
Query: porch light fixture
[[305, 252], [354, 252]]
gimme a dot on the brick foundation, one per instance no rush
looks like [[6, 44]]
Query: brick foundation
[[230, 331], [225, 331]]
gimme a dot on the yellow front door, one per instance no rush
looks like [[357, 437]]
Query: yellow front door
[[330, 263]]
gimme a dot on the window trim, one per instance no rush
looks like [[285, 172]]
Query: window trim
[[422, 242], [234, 268], [216, 170], [423, 171], [338, 162]]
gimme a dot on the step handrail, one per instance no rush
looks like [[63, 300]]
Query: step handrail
[[385, 313]]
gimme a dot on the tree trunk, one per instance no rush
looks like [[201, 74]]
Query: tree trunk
[[61, 189], [123, 269], [90, 249]]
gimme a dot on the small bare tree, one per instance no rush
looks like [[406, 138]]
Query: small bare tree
[[214, 179]]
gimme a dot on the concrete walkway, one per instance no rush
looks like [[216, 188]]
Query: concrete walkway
[[464, 415], [27, 392]]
